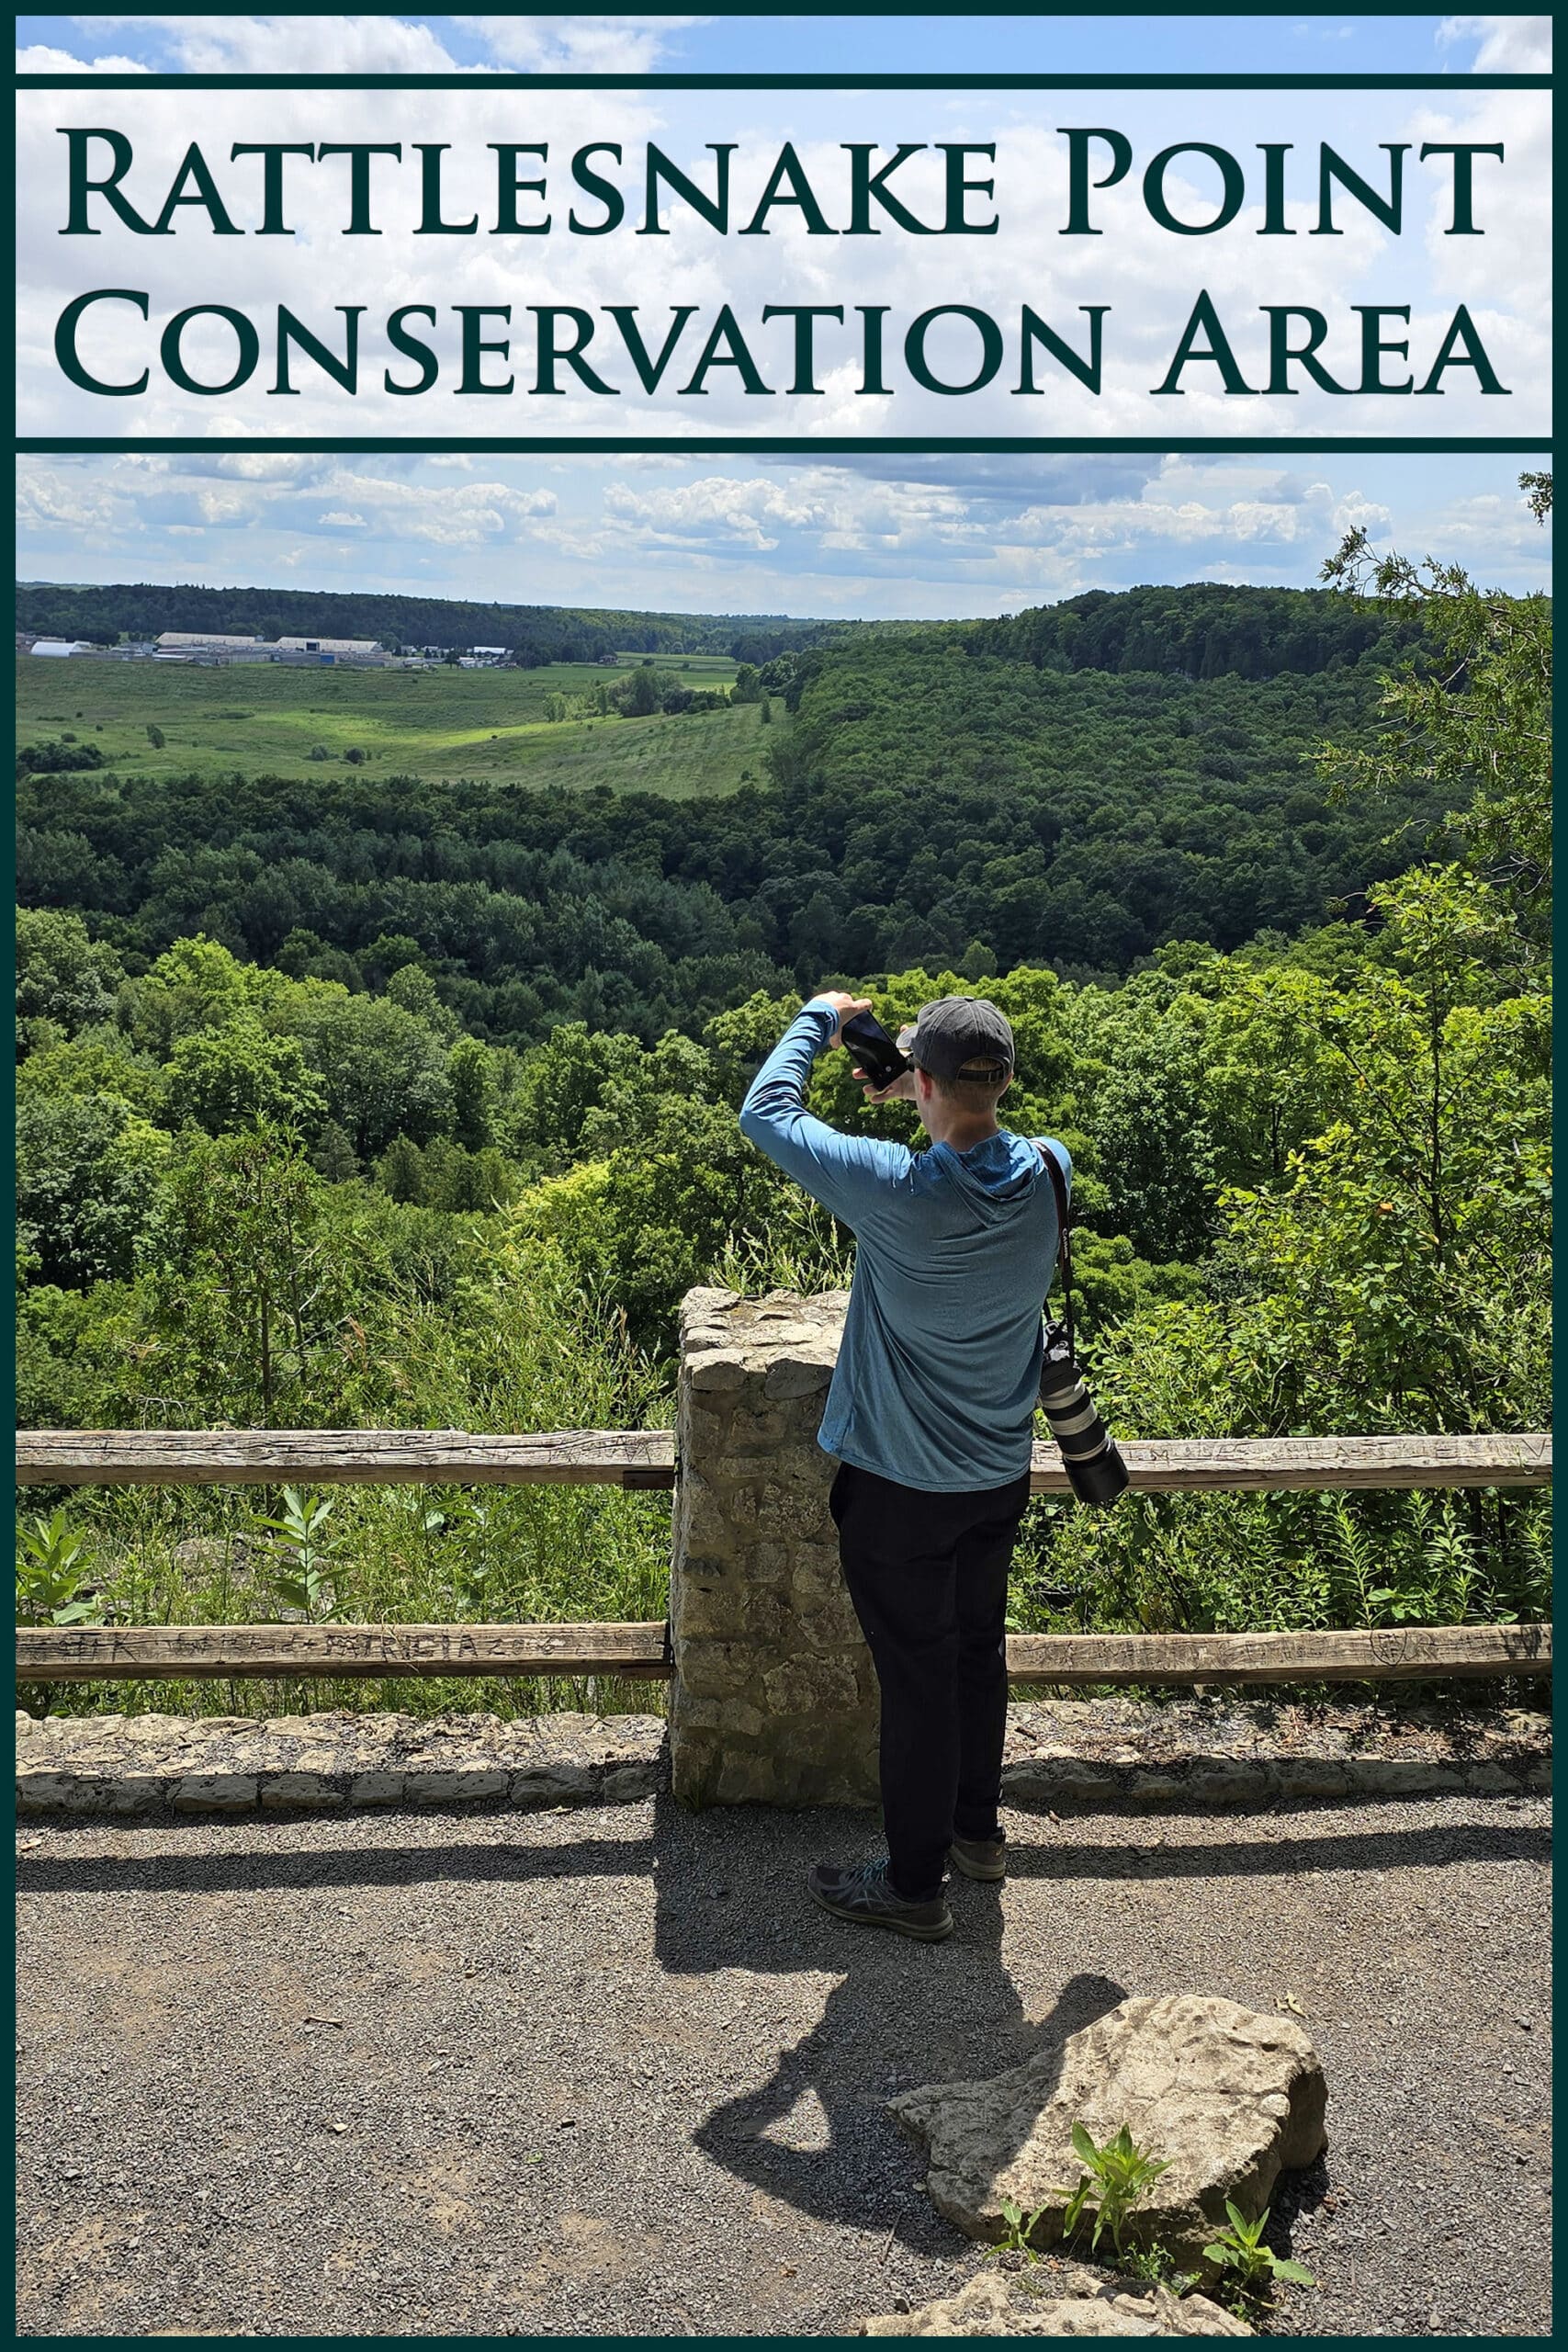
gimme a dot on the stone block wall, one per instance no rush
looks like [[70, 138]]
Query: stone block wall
[[773, 1699]]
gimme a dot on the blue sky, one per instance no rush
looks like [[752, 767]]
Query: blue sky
[[1171, 42], [889, 536]]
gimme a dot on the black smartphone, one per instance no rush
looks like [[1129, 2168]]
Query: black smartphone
[[873, 1049]]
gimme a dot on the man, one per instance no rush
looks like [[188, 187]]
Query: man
[[930, 1415]]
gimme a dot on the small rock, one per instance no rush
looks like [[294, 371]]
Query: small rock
[[1078, 2306]]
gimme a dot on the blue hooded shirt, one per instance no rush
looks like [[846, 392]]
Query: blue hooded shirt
[[939, 1371]]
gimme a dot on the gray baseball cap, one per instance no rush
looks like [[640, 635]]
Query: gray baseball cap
[[956, 1031]]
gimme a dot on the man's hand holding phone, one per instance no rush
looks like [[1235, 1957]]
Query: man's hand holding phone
[[845, 1006], [857, 1030], [901, 1091]]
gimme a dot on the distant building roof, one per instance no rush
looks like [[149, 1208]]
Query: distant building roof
[[57, 645], [181, 637], [487, 649]]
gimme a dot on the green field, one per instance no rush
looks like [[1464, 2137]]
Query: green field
[[443, 722]]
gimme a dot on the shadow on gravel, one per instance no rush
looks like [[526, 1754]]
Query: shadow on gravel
[[844, 2064], [244, 1871], [1270, 1855], [816, 2135], [1253, 1844]]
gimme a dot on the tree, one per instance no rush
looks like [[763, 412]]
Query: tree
[[561, 1081], [414, 990], [86, 1172], [222, 1079], [196, 984], [399, 1171], [639, 696], [383, 1071], [333, 1154], [468, 1076], [236, 1259], [1473, 717], [65, 981]]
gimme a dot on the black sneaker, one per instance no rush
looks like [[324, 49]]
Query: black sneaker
[[981, 1858], [859, 1891]]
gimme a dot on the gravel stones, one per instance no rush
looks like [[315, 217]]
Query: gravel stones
[[732, 2169], [1067, 2301], [1229, 2096]]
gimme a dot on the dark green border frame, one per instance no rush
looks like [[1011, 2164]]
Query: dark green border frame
[[488, 81]]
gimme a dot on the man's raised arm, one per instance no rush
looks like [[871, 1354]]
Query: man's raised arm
[[846, 1173]]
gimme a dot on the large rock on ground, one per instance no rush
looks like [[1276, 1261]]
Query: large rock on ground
[[1232, 2097], [1070, 2302]]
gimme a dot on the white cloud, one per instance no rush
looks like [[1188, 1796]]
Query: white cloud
[[326, 44], [716, 506], [1508, 44], [342, 521], [369, 44], [57, 500], [41, 60], [529, 44], [225, 506]]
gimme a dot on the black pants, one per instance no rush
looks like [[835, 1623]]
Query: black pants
[[928, 1575]]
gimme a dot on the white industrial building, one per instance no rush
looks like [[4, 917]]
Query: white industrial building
[[195, 640], [348, 647], [56, 647]]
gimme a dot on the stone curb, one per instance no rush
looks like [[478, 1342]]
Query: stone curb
[[98, 1765], [84, 1766]]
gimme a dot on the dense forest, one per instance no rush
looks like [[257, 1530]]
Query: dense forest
[[534, 634], [388, 1101], [936, 803], [1204, 630]]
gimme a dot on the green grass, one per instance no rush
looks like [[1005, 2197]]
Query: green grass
[[484, 723], [404, 1556]]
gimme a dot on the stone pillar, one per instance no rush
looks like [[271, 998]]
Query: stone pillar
[[773, 1699]]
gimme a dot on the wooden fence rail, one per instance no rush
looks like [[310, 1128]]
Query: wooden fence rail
[[646, 1458], [123, 1653]]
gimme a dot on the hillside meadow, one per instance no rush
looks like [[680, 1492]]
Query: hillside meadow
[[433, 723]]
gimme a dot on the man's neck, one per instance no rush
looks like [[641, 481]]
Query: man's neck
[[959, 1130]]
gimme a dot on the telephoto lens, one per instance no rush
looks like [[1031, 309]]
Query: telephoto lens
[[1089, 1452]]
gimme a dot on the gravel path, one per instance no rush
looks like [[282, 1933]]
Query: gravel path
[[608, 2071]]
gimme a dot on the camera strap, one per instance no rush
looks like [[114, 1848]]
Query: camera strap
[[1064, 1238]]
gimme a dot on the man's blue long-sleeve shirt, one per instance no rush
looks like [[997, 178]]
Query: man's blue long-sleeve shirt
[[939, 1371]]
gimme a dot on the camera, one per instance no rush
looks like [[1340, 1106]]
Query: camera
[[1089, 1453], [873, 1049]]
